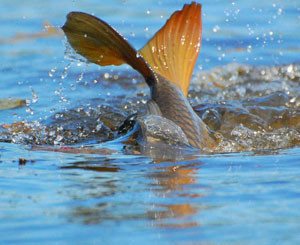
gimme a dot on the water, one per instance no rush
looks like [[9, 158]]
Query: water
[[245, 86]]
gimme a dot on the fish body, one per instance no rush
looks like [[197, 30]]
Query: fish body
[[166, 63], [175, 107]]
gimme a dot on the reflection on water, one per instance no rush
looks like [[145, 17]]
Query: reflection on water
[[196, 200], [168, 182], [176, 181]]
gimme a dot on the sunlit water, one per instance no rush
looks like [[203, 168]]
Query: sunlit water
[[245, 87]]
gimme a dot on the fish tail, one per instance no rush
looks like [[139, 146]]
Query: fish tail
[[173, 51], [99, 43]]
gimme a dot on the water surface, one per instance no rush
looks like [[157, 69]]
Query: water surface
[[245, 87]]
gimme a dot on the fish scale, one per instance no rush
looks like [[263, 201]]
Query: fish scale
[[166, 62]]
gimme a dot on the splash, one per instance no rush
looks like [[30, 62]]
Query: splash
[[254, 108], [251, 108]]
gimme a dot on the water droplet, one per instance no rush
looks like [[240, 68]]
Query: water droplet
[[198, 45], [182, 40], [34, 96], [58, 140], [73, 87], [292, 100], [65, 71], [290, 68], [29, 110], [79, 79], [249, 48], [52, 71], [99, 126], [216, 28]]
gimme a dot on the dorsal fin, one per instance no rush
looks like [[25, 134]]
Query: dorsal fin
[[101, 44], [174, 49]]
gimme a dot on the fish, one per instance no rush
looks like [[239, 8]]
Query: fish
[[166, 62]]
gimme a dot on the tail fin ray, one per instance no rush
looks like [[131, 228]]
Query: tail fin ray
[[101, 44], [174, 49]]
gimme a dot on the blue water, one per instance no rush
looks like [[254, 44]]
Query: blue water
[[251, 197]]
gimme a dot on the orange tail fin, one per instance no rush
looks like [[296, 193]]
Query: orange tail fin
[[174, 49], [101, 44]]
